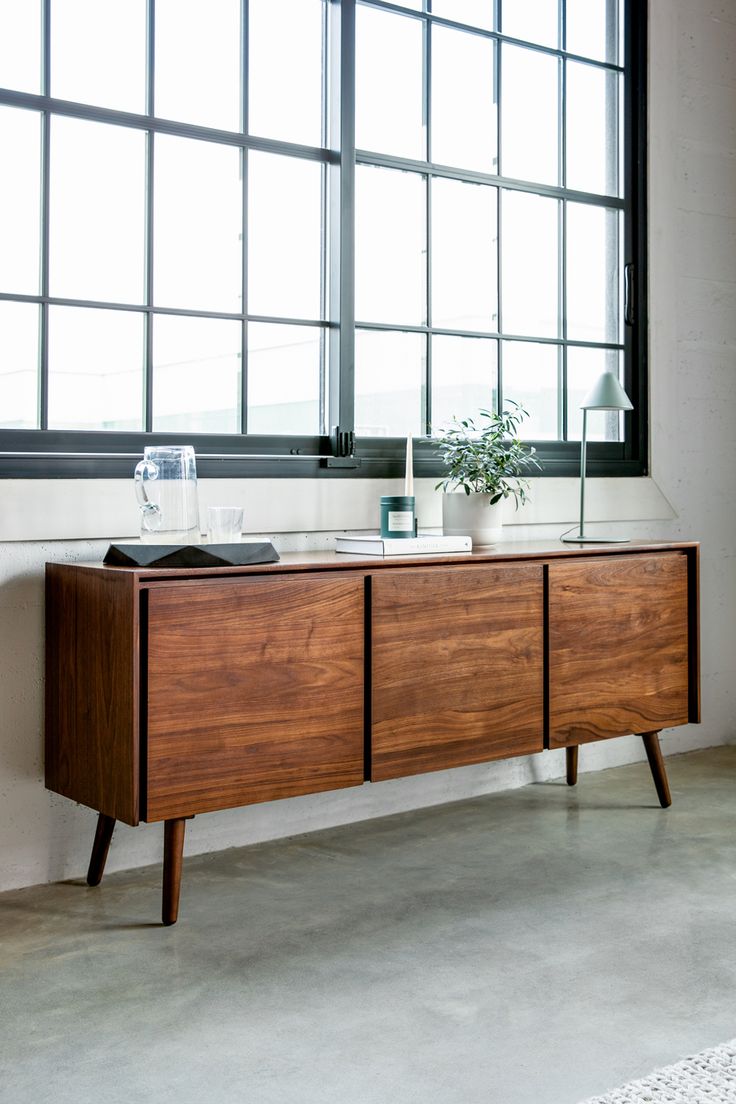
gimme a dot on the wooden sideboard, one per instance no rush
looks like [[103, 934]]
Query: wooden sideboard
[[171, 693]]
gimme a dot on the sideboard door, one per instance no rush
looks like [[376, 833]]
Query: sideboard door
[[618, 646], [457, 667], [255, 691]]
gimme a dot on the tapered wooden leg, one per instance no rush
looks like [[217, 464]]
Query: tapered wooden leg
[[173, 851], [656, 765], [100, 848], [571, 754]]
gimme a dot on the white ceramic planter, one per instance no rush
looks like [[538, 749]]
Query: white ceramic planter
[[473, 516]]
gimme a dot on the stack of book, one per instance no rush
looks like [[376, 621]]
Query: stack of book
[[372, 544]]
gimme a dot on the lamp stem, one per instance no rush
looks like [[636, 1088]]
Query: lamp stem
[[582, 473]]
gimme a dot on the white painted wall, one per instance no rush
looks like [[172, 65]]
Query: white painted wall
[[691, 495]]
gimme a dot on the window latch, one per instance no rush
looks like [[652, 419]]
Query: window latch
[[629, 291], [343, 449]]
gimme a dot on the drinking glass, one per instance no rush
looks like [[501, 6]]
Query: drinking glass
[[224, 524]]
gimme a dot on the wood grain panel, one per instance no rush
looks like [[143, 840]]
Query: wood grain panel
[[91, 732], [618, 635], [255, 691], [457, 667]]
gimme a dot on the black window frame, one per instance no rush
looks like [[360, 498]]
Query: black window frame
[[44, 453]]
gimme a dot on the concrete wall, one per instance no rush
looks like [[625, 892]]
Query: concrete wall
[[691, 495]]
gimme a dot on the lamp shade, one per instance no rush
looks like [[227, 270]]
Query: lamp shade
[[607, 394]]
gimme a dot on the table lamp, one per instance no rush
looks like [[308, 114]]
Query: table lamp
[[606, 394]]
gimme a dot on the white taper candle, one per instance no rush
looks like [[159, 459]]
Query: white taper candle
[[409, 480]]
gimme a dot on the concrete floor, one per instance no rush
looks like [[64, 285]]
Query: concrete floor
[[539, 945]]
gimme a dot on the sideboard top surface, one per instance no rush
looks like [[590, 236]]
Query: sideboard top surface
[[327, 560]]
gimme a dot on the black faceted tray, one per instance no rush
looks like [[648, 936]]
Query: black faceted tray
[[191, 555]]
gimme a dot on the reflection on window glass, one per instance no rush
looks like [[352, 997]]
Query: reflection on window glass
[[198, 62], [464, 378], [530, 265], [20, 200], [18, 365], [284, 380], [390, 381], [592, 129], [464, 120], [529, 109], [464, 256], [97, 214], [99, 52], [196, 374], [388, 84], [197, 223], [477, 13], [531, 377], [532, 21], [95, 369], [20, 45], [593, 274], [390, 246], [584, 366], [285, 70], [284, 234], [593, 29]]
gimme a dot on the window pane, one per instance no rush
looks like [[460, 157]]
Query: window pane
[[463, 108], [97, 213], [85, 66], [95, 369], [196, 374], [529, 109], [198, 62], [592, 129], [532, 21], [478, 13], [18, 365], [197, 224], [593, 274], [20, 45], [584, 366], [285, 70], [390, 374], [284, 236], [593, 29], [464, 256], [531, 377], [284, 381], [530, 265], [20, 200], [390, 246], [464, 378], [388, 84]]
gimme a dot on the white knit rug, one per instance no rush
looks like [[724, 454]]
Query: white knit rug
[[706, 1078]]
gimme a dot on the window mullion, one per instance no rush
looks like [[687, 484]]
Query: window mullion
[[342, 215]]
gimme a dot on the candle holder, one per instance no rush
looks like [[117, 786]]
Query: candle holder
[[398, 518]]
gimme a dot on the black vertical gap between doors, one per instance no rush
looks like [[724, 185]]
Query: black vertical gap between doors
[[368, 684]]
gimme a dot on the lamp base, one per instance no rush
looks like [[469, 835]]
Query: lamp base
[[573, 539]]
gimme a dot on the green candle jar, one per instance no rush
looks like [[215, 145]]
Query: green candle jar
[[397, 516]]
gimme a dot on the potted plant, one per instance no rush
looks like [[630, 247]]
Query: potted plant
[[486, 463]]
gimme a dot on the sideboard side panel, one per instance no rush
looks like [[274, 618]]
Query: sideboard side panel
[[91, 731], [457, 667], [255, 691], [619, 632]]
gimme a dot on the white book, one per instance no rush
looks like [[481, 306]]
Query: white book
[[371, 544]]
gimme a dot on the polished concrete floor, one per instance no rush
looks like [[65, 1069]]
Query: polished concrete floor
[[536, 946]]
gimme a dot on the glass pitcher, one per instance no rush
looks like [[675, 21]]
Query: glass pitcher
[[166, 488]]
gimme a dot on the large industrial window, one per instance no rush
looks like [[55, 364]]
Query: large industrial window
[[242, 223]]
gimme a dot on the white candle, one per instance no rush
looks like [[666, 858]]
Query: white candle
[[409, 480]]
